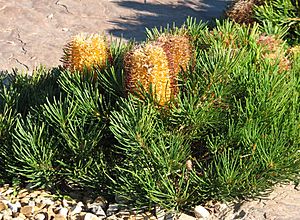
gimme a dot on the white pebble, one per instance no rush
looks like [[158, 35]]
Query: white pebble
[[201, 212], [63, 211]]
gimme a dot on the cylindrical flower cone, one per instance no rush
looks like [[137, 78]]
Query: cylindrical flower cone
[[242, 11], [85, 52], [178, 50], [148, 66]]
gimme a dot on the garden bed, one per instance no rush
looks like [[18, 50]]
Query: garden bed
[[194, 115]]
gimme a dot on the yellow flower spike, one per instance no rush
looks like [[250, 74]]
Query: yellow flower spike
[[85, 51], [148, 65]]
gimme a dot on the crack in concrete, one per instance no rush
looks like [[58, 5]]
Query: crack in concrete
[[23, 44], [64, 6], [23, 64]]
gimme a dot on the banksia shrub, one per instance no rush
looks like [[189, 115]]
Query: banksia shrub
[[283, 14], [86, 51], [148, 66]]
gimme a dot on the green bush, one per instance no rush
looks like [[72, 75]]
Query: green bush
[[231, 132], [271, 14], [284, 13]]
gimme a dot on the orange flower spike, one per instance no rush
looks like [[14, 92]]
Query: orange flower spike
[[178, 49], [179, 52]]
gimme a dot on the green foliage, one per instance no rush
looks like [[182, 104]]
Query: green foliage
[[61, 142], [231, 132], [112, 78], [283, 13], [153, 161], [258, 135], [7, 122], [33, 153]]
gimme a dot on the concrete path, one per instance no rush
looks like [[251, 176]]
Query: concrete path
[[282, 204], [34, 31]]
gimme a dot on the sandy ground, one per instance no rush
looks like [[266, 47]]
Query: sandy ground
[[33, 32]]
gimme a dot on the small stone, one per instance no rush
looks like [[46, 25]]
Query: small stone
[[47, 201], [5, 186], [50, 211], [63, 211], [14, 206], [7, 217], [186, 217], [65, 29], [25, 200], [112, 209], [21, 216], [60, 217], [65, 203], [160, 213], [40, 206], [7, 212], [170, 216], [201, 212], [40, 216], [22, 193], [97, 209], [57, 202], [34, 194], [31, 203], [8, 192], [80, 216], [77, 209], [3, 206], [189, 165], [148, 215], [133, 217], [112, 217], [27, 210], [101, 201], [90, 216], [124, 214]]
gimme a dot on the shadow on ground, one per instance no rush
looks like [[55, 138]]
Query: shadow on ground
[[149, 15]]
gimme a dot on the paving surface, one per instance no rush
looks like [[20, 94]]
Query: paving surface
[[33, 32], [282, 204]]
